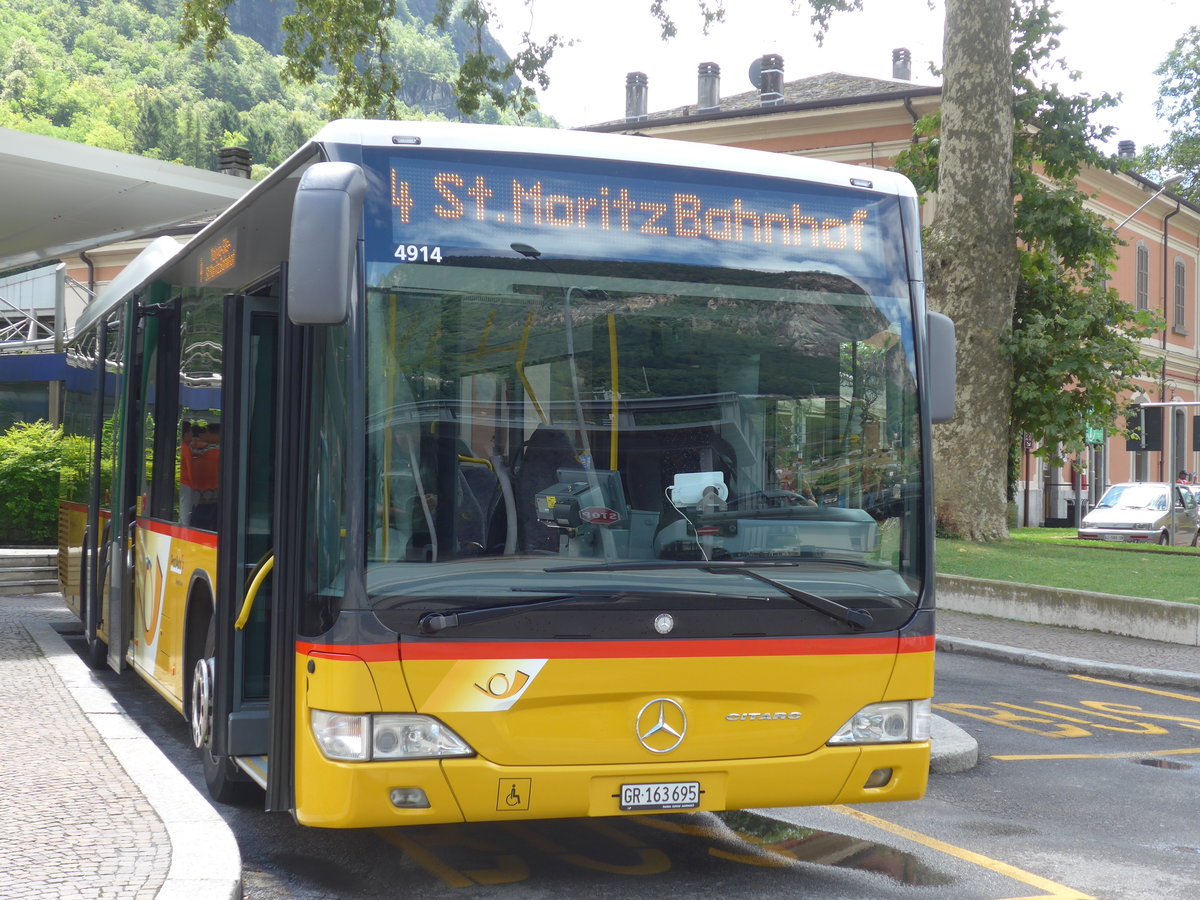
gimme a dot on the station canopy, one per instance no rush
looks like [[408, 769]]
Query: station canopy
[[58, 198]]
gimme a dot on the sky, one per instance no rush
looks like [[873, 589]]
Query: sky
[[1116, 45]]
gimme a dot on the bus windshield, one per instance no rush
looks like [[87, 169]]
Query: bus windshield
[[739, 389]]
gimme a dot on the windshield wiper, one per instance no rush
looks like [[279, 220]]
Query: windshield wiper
[[857, 618], [432, 623]]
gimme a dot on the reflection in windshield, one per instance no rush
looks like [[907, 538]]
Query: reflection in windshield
[[601, 411], [1134, 496]]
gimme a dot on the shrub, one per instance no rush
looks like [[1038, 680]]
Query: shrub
[[34, 457]]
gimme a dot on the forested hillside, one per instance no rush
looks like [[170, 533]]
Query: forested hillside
[[109, 73]]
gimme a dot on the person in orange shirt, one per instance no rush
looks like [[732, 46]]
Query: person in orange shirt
[[206, 474], [187, 493]]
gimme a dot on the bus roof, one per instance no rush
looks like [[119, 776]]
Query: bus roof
[[617, 147]]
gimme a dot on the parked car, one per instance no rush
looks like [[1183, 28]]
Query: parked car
[[1138, 511]]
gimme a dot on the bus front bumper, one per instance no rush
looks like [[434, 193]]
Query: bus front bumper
[[357, 795]]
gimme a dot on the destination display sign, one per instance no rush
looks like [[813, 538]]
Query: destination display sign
[[435, 206]]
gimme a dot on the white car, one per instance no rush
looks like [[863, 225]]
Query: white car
[[1138, 511]]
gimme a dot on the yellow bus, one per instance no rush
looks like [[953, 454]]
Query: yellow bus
[[463, 473]]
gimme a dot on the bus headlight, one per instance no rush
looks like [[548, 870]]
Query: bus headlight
[[887, 723], [366, 737]]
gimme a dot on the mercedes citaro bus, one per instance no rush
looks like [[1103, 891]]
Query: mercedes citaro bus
[[463, 473]]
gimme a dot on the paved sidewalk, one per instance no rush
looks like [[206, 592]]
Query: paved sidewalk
[[90, 807], [1070, 649]]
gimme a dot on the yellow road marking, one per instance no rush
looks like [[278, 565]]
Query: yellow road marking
[[1138, 687], [1053, 889], [1010, 720], [1143, 728], [507, 870], [1099, 755], [447, 875]]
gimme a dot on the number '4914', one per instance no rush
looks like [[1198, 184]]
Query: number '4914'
[[419, 253]]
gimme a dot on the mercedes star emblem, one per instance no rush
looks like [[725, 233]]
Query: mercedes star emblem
[[661, 725]]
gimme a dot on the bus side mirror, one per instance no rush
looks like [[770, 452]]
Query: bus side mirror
[[943, 367], [323, 249]]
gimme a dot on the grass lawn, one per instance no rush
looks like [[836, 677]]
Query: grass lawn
[[1056, 558]]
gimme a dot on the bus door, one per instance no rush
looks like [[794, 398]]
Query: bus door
[[145, 351], [153, 445], [129, 348], [246, 529]]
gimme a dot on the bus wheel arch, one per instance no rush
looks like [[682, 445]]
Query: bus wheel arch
[[197, 619], [226, 783]]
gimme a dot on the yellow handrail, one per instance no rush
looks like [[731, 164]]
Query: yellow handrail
[[251, 592], [520, 365]]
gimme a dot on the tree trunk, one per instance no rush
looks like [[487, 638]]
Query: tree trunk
[[972, 266]]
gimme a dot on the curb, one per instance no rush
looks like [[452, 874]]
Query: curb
[[951, 748], [1073, 665], [1155, 620], [206, 863]]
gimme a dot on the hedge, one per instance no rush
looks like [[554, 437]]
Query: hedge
[[37, 464]]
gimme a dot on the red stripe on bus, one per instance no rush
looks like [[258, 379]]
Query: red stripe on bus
[[83, 508], [203, 538], [682, 649], [429, 650], [366, 652]]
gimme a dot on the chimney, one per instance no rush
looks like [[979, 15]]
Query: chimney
[[770, 83], [902, 64], [1126, 150], [709, 87], [635, 97], [234, 161]]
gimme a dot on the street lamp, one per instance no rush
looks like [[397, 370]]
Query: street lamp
[[1169, 182]]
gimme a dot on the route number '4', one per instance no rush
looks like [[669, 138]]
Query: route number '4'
[[418, 253]]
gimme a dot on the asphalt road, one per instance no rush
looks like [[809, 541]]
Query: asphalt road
[[1084, 788], [1089, 782]]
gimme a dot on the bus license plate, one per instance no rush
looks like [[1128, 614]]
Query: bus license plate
[[661, 795]]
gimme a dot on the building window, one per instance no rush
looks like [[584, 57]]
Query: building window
[[1143, 276], [1180, 295]]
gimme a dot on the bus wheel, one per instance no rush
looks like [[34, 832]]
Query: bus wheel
[[226, 783], [96, 654]]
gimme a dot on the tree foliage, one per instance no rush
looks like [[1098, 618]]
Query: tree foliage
[[1069, 328], [351, 39], [110, 73], [1179, 104], [378, 51]]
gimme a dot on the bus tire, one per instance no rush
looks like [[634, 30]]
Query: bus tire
[[95, 652], [226, 782]]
